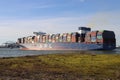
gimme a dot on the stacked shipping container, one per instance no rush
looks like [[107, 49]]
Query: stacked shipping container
[[94, 36], [102, 37], [88, 38], [75, 36], [65, 37], [57, 37], [53, 38], [83, 36], [47, 38], [99, 37], [50, 38], [83, 39], [69, 36], [44, 38], [61, 38]]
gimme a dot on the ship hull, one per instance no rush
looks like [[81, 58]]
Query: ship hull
[[66, 46]]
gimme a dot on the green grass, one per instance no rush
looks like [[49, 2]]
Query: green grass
[[73, 66]]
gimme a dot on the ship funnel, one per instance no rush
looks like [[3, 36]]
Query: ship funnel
[[83, 30]]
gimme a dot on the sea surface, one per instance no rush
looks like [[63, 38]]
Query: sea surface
[[15, 52]]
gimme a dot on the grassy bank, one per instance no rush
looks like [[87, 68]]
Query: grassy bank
[[73, 66]]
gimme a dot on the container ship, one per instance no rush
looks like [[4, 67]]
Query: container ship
[[83, 39]]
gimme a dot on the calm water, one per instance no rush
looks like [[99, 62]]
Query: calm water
[[16, 52]]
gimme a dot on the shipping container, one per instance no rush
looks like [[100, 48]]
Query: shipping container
[[30, 39], [79, 39], [53, 37], [102, 37], [38, 38], [25, 40], [88, 37], [19, 40], [47, 38], [61, 38], [44, 38], [35, 39], [65, 37], [41, 38], [57, 37], [50, 38], [69, 37], [94, 36], [82, 38], [75, 36], [99, 37]]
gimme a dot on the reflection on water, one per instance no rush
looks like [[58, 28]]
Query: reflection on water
[[16, 52]]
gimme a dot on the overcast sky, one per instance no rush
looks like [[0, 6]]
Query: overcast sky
[[19, 18]]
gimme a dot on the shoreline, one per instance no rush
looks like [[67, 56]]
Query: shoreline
[[71, 66]]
